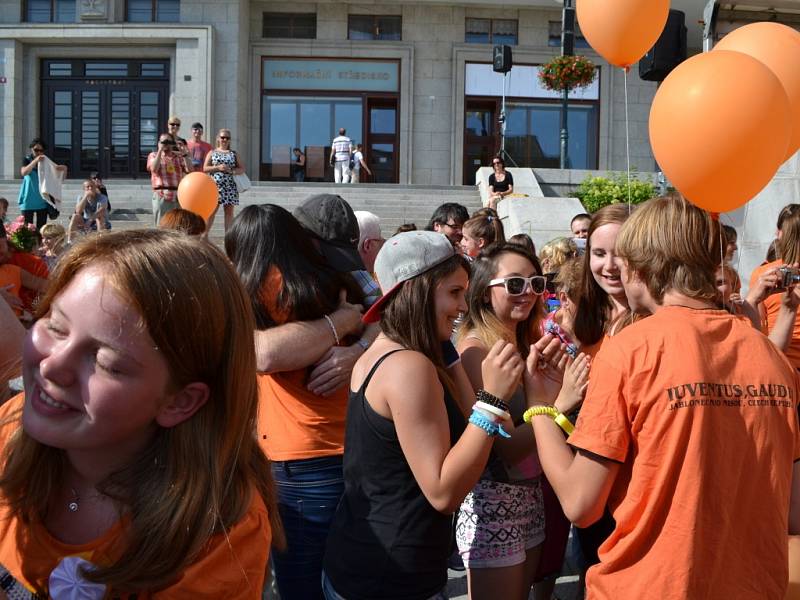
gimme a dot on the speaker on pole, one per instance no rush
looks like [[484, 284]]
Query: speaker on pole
[[501, 59], [669, 51]]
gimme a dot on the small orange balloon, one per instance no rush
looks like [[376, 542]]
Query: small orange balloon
[[198, 193], [622, 31], [778, 47], [718, 128]]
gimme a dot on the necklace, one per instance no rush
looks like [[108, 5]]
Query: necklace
[[72, 505]]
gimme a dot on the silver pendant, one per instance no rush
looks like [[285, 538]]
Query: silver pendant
[[73, 506]]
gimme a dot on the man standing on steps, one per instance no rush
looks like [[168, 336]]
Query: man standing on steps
[[341, 151], [166, 171]]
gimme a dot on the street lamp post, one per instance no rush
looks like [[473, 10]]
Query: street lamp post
[[567, 49]]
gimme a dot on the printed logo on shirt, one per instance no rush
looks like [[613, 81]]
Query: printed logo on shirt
[[691, 395]]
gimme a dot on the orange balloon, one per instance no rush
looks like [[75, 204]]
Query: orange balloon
[[622, 31], [198, 193], [778, 47], [718, 128]]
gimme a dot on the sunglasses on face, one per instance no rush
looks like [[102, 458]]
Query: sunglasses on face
[[38, 149], [224, 137], [174, 124], [516, 285]]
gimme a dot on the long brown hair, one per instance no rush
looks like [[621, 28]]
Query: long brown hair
[[593, 315], [789, 242], [481, 320], [487, 228], [409, 318], [196, 479]]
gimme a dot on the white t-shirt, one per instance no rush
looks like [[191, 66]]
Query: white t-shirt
[[357, 158], [342, 146]]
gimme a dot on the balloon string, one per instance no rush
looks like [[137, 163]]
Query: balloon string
[[627, 139]]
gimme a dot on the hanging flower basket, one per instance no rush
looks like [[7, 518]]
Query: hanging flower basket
[[567, 73]]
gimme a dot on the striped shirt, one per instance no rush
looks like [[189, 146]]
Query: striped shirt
[[343, 148]]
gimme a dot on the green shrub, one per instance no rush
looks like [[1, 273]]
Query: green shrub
[[595, 192]]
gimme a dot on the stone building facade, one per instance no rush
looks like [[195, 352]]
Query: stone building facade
[[412, 81]]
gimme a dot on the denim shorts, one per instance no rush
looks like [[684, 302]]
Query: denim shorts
[[499, 522]]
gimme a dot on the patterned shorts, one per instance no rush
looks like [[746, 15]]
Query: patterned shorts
[[498, 522]]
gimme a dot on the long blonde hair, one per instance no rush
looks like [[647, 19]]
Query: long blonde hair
[[196, 479], [481, 321]]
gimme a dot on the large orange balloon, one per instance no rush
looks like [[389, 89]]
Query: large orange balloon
[[778, 47], [198, 193], [622, 31], [718, 128]]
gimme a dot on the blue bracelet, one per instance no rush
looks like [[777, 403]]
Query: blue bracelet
[[491, 428]]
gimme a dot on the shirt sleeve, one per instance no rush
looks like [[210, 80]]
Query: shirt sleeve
[[603, 426], [492, 180], [509, 178], [150, 158]]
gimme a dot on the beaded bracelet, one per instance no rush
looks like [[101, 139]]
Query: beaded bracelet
[[484, 396], [551, 412], [491, 428]]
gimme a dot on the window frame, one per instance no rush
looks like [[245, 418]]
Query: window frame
[[153, 13], [53, 12], [291, 26], [491, 22], [554, 40], [375, 19]]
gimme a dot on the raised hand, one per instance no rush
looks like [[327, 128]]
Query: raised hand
[[501, 370]]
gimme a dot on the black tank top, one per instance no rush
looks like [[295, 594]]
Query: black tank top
[[386, 540]]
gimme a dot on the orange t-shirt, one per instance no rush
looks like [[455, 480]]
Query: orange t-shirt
[[772, 306], [33, 265], [231, 566], [11, 275], [293, 423], [701, 411]]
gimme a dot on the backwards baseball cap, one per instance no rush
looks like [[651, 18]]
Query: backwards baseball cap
[[403, 257], [330, 219]]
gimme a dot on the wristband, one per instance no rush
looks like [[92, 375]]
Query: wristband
[[551, 412], [333, 328], [491, 428], [363, 343], [486, 414], [498, 412], [484, 396]]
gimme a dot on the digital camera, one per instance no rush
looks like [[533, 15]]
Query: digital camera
[[787, 277]]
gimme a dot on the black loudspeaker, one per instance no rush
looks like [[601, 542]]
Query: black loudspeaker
[[669, 51], [568, 31], [501, 59]]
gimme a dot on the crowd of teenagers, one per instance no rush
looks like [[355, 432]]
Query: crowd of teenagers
[[356, 413]]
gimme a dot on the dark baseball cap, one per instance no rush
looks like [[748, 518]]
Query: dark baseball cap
[[331, 220]]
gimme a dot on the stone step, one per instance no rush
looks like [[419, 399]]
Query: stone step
[[394, 204]]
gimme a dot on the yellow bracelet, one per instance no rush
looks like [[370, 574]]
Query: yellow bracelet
[[551, 412]]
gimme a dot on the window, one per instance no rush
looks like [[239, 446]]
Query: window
[[302, 26], [554, 35], [50, 11], [491, 31], [374, 27], [153, 11]]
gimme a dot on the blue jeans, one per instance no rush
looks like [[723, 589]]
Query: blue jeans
[[308, 493]]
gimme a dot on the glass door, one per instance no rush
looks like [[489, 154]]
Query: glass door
[[481, 137], [381, 147], [92, 122]]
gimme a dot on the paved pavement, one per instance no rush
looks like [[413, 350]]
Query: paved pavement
[[566, 587]]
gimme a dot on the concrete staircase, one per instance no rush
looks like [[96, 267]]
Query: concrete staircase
[[394, 204]]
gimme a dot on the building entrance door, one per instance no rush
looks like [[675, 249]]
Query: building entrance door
[[381, 147], [481, 136], [103, 116]]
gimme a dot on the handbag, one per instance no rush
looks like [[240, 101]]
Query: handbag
[[52, 208], [242, 182]]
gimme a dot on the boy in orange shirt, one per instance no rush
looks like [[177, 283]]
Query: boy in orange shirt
[[675, 414]]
